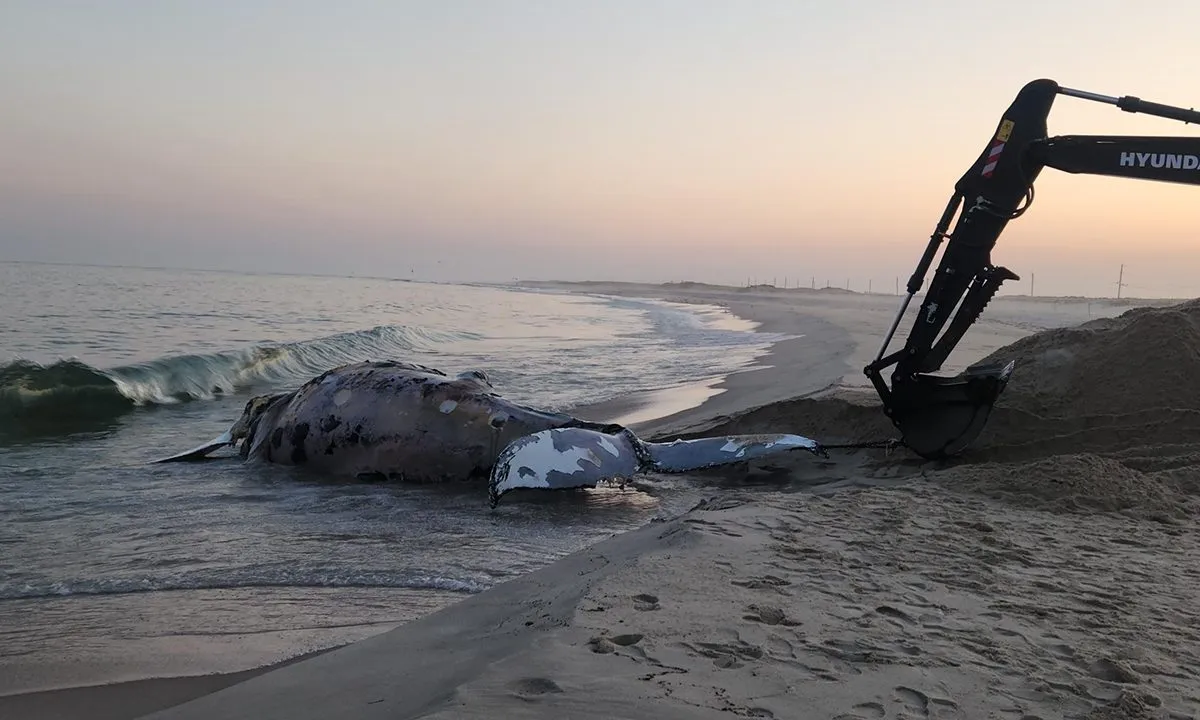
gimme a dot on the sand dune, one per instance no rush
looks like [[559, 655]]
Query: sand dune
[[1050, 573]]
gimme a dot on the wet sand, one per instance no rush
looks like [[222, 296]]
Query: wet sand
[[1052, 576]]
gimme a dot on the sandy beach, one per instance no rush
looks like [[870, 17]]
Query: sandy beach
[[1050, 573]]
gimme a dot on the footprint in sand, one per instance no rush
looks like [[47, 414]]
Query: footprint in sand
[[863, 711], [727, 655], [766, 582], [604, 644], [601, 645], [889, 611], [1114, 671], [913, 700], [645, 601], [609, 643], [711, 527], [1061, 651], [527, 687], [768, 615], [922, 705]]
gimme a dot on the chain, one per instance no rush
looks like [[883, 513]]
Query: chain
[[889, 445]]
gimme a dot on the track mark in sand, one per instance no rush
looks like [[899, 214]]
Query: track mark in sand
[[530, 687], [601, 645], [711, 527], [896, 614], [1114, 671], [645, 602], [780, 648], [727, 655], [864, 711], [915, 701], [1061, 651], [604, 644], [627, 639], [766, 582], [979, 525], [722, 503], [852, 652], [768, 615]]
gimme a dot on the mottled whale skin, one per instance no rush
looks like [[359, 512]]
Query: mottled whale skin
[[398, 420], [402, 421]]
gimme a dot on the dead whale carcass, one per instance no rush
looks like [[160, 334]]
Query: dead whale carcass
[[414, 423]]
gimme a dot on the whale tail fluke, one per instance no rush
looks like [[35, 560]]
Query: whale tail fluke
[[200, 452], [569, 458], [701, 453]]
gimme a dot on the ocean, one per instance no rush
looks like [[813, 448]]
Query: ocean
[[114, 568]]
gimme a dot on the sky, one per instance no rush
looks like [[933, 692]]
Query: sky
[[630, 140]]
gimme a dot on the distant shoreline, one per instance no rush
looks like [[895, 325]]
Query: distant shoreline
[[1131, 301], [689, 286]]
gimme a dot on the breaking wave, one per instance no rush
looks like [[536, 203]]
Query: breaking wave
[[36, 398]]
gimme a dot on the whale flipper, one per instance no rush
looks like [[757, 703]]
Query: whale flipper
[[201, 451], [572, 457]]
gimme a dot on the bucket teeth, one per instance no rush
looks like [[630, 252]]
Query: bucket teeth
[[983, 288]]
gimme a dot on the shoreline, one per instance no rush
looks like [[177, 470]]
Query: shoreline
[[660, 411], [803, 583], [813, 359], [811, 362], [131, 698]]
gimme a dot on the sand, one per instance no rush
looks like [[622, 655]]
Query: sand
[[1051, 573]]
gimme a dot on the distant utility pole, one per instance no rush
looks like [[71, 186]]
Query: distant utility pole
[[1120, 281], [869, 281], [814, 282], [897, 284], [847, 283], [1030, 284]]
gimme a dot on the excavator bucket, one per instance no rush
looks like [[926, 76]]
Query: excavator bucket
[[940, 416]]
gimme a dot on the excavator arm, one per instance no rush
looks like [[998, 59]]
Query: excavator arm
[[941, 416]]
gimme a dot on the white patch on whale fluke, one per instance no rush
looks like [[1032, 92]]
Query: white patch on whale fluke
[[701, 453], [608, 445], [740, 445], [541, 458], [341, 397], [448, 406], [793, 441]]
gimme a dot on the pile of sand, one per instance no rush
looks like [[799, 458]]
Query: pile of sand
[[1075, 483], [1144, 359], [1104, 416], [829, 418], [1125, 387]]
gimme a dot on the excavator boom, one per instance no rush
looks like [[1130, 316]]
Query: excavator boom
[[941, 416]]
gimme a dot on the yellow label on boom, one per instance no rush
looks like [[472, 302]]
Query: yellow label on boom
[[1006, 128]]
